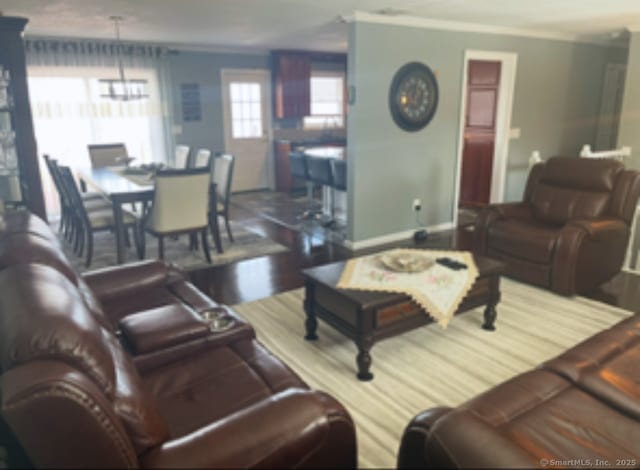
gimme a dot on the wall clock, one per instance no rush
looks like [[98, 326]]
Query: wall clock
[[413, 96]]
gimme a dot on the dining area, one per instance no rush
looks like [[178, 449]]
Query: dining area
[[136, 204]]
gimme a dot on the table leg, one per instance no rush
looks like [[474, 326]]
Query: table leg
[[490, 312], [117, 217], [311, 323], [363, 359]]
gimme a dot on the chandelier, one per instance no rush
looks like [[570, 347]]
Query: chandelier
[[121, 89]]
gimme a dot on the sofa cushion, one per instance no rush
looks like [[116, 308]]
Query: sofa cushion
[[522, 239], [598, 174], [42, 316], [569, 188], [207, 387], [545, 416], [607, 365]]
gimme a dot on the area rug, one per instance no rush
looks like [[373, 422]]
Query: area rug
[[429, 366], [246, 245]]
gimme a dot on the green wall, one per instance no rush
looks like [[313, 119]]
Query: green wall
[[556, 103], [628, 134]]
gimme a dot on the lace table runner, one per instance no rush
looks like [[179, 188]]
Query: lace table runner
[[438, 289]]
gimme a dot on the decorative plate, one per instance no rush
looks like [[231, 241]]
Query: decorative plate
[[406, 262]]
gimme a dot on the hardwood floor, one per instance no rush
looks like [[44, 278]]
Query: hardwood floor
[[257, 278]]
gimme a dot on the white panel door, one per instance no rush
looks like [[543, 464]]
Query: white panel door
[[246, 105]]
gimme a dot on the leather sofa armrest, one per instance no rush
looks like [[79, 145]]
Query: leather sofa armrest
[[492, 213], [600, 229], [162, 327], [460, 439], [295, 428], [196, 344], [113, 282], [588, 253]]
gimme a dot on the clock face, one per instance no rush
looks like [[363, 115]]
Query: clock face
[[413, 96]]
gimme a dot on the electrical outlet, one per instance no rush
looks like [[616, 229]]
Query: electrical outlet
[[417, 205]]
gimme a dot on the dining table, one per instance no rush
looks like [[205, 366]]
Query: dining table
[[122, 185]]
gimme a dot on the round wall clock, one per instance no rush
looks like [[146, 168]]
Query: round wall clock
[[413, 96]]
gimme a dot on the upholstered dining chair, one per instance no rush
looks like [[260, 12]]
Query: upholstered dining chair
[[222, 177], [182, 156], [102, 155], [180, 205], [69, 223], [88, 219], [201, 158]]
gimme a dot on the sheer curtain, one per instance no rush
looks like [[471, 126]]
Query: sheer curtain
[[68, 112]]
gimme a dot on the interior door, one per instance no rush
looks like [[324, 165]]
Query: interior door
[[245, 99], [483, 84]]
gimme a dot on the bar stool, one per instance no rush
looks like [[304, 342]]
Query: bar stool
[[298, 168], [339, 169], [320, 173]]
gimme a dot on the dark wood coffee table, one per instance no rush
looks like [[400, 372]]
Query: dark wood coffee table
[[367, 317]]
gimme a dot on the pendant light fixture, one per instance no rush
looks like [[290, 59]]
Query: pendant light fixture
[[121, 89]]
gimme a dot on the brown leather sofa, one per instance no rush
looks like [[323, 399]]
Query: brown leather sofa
[[117, 368], [570, 232], [580, 410]]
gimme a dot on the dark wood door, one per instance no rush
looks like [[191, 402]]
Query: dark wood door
[[483, 83]]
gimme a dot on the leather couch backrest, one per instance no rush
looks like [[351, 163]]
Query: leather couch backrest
[[43, 317], [28, 247], [624, 198], [573, 188]]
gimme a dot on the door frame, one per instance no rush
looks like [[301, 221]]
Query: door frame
[[508, 64], [268, 126]]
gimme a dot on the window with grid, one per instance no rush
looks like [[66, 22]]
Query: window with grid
[[327, 101], [246, 111]]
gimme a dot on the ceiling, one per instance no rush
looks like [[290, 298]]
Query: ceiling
[[258, 25]]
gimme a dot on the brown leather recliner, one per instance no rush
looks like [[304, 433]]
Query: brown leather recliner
[[570, 232], [117, 368]]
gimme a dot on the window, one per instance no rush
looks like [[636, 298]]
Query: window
[[246, 115], [327, 100], [69, 113]]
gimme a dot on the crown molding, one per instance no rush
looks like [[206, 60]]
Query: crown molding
[[444, 25]]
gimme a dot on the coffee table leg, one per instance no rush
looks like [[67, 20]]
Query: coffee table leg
[[490, 312], [363, 359], [490, 315], [311, 324]]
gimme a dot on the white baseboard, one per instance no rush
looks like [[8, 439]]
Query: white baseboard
[[394, 237]]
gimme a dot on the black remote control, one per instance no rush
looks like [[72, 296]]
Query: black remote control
[[451, 263]]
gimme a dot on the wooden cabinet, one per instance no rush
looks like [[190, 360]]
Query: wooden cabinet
[[292, 85], [20, 157]]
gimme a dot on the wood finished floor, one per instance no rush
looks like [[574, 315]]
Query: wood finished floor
[[257, 278]]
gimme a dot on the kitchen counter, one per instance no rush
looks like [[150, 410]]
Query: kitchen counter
[[326, 152]]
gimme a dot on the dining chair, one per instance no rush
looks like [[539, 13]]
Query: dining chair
[[182, 156], [201, 158], [68, 221], [298, 168], [180, 205], [222, 177], [102, 155], [91, 220]]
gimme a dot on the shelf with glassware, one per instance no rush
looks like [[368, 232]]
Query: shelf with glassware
[[10, 191]]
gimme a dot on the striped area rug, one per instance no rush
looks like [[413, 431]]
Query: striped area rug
[[428, 366]]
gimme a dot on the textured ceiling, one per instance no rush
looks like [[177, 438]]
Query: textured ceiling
[[303, 24]]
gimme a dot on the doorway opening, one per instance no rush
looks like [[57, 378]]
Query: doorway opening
[[485, 118]]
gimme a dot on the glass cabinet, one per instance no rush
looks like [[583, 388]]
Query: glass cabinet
[[20, 183], [10, 191]]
